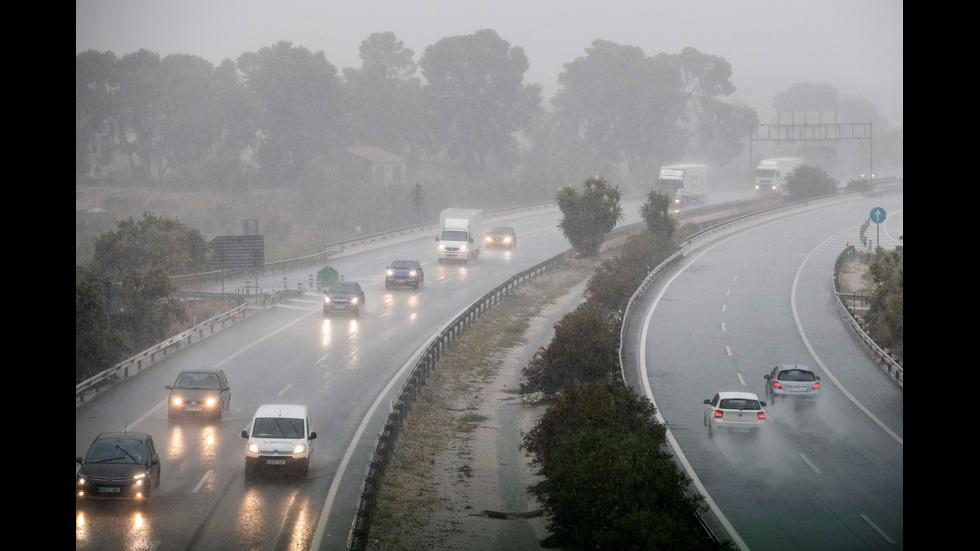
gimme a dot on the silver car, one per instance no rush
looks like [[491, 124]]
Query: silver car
[[792, 382]]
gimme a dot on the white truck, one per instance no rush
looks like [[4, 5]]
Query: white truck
[[770, 175], [683, 183], [460, 234]]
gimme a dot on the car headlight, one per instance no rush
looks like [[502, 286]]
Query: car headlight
[[412, 273], [353, 300], [253, 448], [507, 240], [211, 401], [462, 247], [442, 247], [300, 448], [489, 239], [391, 273], [326, 299], [177, 401], [81, 481]]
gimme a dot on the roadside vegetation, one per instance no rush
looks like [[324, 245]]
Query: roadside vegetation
[[886, 312], [610, 482]]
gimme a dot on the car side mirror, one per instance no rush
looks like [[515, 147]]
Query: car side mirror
[[313, 435], [79, 460], [169, 387], [155, 460], [707, 402], [817, 376], [244, 434], [763, 403], [766, 376], [437, 238]]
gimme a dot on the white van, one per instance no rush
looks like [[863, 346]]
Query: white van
[[279, 439]]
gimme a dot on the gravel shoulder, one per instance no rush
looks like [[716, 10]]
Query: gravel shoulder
[[458, 479]]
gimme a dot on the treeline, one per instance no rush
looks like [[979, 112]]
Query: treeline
[[270, 118], [610, 482]]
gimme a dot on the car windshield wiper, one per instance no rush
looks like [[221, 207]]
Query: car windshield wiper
[[110, 459], [131, 456]]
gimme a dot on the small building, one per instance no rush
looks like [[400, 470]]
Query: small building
[[371, 165]]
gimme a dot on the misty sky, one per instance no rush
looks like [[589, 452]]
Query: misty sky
[[854, 45]]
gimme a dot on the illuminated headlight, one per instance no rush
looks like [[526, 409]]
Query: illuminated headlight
[[412, 273], [442, 247], [301, 448], [253, 448], [774, 188], [489, 239], [139, 479], [211, 401], [391, 273], [326, 299], [81, 481], [353, 300], [462, 247], [177, 401], [677, 201], [757, 186]]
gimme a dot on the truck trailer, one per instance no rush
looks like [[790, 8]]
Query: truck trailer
[[460, 234], [770, 175], [683, 183]]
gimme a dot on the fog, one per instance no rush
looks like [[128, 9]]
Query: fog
[[856, 47]]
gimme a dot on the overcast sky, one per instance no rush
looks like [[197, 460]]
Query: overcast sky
[[854, 45]]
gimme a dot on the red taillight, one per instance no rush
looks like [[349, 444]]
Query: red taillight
[[816, 386], [762, 416], [719, 413], [775, 384]]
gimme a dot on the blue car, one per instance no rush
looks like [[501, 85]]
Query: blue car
[[404, 272]]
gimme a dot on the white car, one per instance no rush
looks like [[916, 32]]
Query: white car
[[280, 438], [735, 411]]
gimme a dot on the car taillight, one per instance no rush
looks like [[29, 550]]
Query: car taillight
[[775, 384], [762, 416], [816, 386], [719, 414]]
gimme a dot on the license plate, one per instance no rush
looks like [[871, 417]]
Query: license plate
[[798, 388], [275, 462], [109, 489], [192, 408]]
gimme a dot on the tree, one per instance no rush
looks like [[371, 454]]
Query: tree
[[97, 344], [587, 216], [141, 256], [299, 101], [886, 312], [475, 98], [808, 181], [96, 97], [655, 211], [385, 95]]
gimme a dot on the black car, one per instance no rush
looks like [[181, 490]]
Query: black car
[[199, 392], [118, 466], [404, 272], [502, 237], [343, 296]]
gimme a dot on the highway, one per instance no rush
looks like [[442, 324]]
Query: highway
[[828, 477], [347, 370]]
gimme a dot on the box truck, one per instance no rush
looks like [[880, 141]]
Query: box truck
[[770, 175], [460, 234], [683, 183]]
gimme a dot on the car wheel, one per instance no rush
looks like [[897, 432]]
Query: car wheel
[[305, 469], [711, 430]]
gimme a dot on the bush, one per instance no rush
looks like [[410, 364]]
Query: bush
[[584, 348]]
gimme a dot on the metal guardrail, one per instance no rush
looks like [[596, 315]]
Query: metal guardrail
[[885, 360], [135, 364], [361, 524]]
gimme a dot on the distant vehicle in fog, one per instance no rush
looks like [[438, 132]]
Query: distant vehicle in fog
[[343, 296], [683, 183], [404, 272], [502, 237], [460, 234], [770, 175]]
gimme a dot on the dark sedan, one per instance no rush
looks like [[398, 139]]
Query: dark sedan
[[343, 296], [199, 392], [502, 237], [118, 466], [404, 272]]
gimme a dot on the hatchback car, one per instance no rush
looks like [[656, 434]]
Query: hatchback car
[[343, 296], [792, 382], [404, 272], [502, 237], [118, 466], [735, 411], [202, 392], [280, 439]]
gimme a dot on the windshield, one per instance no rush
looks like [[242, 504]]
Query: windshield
[[405, 264], [454, 235], [765, 172], [116, 450], [739, 403], [502, 230], [343, 288], [796, 375], [206, 381], [278, 427]]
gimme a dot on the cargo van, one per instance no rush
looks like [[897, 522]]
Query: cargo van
[[280, 439]]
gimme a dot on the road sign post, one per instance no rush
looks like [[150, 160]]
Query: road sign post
[[878, 216]]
